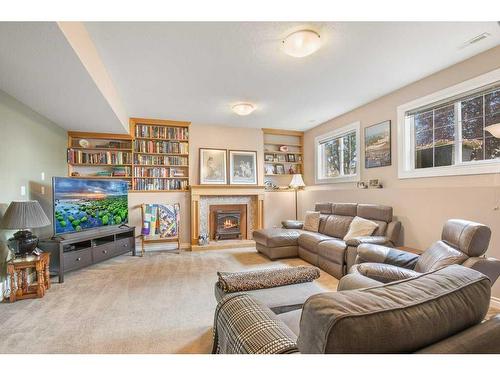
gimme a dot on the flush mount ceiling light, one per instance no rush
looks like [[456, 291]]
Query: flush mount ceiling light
[[243, 109], [301, 43]]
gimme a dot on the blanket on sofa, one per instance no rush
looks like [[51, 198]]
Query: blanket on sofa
[[231, 282], [243, 325]]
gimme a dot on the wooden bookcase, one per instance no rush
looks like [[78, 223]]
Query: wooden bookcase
[[292, 160], [160, 152], [99, 155]]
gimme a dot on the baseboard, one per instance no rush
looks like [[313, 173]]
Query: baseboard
[[495, 302]]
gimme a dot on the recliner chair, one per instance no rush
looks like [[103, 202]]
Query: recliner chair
[[462, 242]]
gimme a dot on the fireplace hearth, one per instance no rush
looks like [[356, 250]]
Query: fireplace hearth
[[228, 224]]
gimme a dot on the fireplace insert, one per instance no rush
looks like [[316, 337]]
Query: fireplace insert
[[228, 224]]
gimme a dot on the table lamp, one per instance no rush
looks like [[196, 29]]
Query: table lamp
[[24, 215], [296, 183]]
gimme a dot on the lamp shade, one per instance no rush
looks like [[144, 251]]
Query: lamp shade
[[297, 181], [494, 130], [24, 215]]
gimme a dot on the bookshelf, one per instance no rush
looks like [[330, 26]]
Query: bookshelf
[[280, 164], [99, 155], [160, 155]]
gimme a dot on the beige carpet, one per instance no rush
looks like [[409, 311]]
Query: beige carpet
[[162, 303]]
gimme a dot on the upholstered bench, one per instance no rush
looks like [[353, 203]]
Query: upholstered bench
[[277, 243]]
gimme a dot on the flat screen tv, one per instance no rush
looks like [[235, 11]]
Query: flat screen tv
[[83, 204]]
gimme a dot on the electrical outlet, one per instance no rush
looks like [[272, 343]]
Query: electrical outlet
[[43, 190]]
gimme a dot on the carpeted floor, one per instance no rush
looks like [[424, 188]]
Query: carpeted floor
[[162, 303]]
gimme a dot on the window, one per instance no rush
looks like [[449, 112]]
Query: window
[[337, 155], [444, 133]]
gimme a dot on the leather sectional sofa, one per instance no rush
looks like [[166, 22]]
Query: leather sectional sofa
[[326, 248]]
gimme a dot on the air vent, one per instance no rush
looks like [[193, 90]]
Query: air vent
[[476, 39]]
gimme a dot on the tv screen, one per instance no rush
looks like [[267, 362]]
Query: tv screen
[[81, 204]]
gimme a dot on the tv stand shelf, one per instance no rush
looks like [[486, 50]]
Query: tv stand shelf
[[76, 251]]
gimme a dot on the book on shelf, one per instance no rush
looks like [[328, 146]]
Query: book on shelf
[[158, 147], [98, 157], [159, 184], [160, 160], [163, 132]]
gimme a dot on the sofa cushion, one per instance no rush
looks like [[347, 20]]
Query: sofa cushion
[[345, 209], [310, 240], [311, 221], [292, 320], [324, 208], [381, 229], [375, 212], [332, 250], [431, 307], [276, 237], [437, 256], [469, 237], [360, 227], [337, 226]]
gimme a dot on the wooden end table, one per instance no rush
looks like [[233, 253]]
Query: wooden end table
[[19, 268]]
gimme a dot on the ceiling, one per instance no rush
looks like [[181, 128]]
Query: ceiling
[[196, 71]]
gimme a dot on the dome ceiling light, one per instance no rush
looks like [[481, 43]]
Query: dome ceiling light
[[301, 43], [243, 109]]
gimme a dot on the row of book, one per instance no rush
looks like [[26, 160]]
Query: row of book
[[168, 147], [103, 157], [164, 132], [159, 184], [160, 160], [158, 172]]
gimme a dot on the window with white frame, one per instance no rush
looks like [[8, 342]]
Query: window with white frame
[[337, 155], [444, 133]]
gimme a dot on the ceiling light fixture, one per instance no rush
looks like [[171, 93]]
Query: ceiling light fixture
[[301, 43], [243, 109]]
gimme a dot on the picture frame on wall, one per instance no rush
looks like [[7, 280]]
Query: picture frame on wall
[[213, 166], [242, 167], [378, 145]]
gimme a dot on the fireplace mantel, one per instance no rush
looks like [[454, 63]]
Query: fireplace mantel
[[198, 191]]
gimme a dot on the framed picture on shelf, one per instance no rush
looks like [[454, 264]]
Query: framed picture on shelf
[[299, 158], [269, 157], [378, 145], [291, 158], [280, 169], [270, 169], [242, 167], [213, 166], [281, 158]]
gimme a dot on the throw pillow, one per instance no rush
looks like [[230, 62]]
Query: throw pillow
[[311, 221], [360, 227]]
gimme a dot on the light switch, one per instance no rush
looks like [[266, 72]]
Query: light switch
[[43, 177], [43, 190], [23, 190]]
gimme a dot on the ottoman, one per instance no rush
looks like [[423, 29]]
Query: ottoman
[[277, 243]]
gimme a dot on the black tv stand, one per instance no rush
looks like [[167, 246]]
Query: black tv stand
[[123, 226], [83, 249]]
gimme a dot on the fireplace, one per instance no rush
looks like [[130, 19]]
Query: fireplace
[[228, 221], [228, 224]]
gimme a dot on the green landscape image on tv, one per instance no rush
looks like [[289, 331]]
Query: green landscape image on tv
[[81, 204]]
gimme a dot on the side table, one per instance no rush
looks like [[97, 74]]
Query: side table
[[19, 268]]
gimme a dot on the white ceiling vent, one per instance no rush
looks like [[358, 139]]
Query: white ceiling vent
[[476, 39]]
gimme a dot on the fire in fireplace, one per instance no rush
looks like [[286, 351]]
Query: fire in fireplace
[[228, 224]]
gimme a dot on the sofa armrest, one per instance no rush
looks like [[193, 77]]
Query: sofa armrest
[[292, 224], [244, 325], [368, 253], [376, 240], [487, 266], [385, 273]]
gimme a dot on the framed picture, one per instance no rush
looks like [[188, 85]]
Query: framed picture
[[291, 158], [281, 158], [213, 166], [242, 167], [378, 145], [299, 158], [280, 169], [269, 157], [270, 169]]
